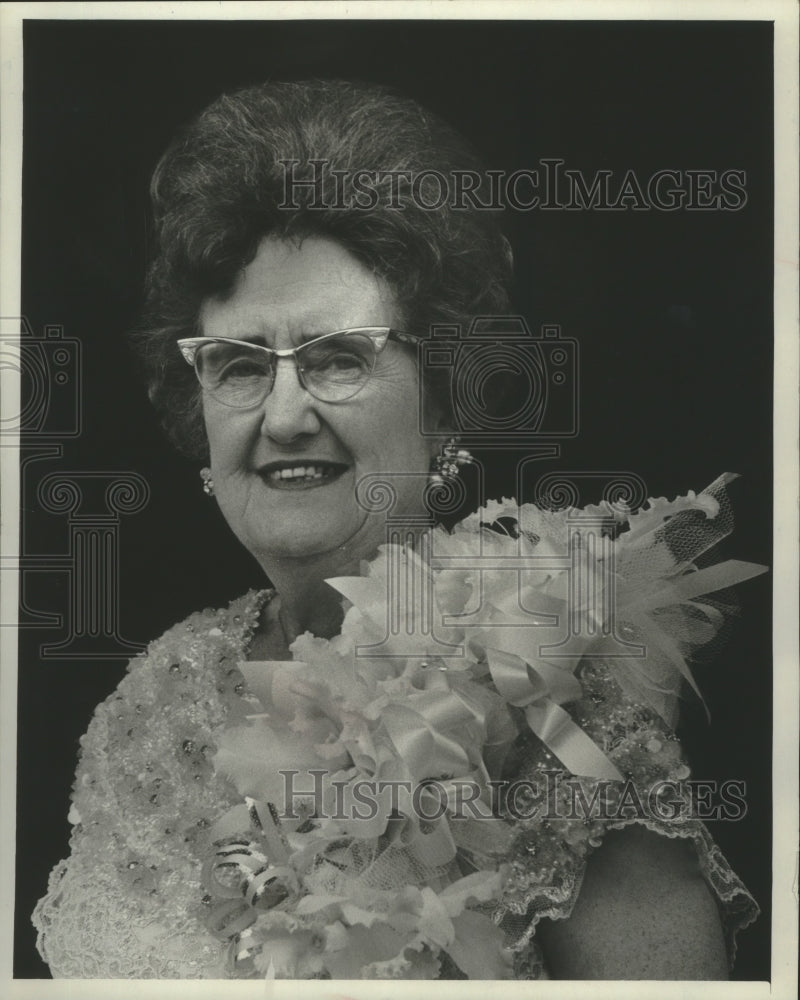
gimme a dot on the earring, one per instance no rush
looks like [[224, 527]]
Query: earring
[[208, 482], [447, 465]]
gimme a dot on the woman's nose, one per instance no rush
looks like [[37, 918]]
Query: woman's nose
[[288, 410]]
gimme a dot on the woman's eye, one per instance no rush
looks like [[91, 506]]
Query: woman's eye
[[336, 362], [241, 368], [343, 360]]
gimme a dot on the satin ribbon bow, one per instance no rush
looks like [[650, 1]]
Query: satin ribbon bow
[[419, 731], [541, 690], [657, 680], [425, 733]]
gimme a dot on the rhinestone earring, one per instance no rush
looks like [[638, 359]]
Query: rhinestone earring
[[208, 482], [447, 465]]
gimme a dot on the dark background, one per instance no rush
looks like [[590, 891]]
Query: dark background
[[672, 312]]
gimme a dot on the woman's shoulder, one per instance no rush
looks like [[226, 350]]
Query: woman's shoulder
[[204, 631], [145, 797], [155, 732], [204, 644], [581, 835]]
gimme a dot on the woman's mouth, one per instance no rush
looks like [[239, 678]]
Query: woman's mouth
[[299, 475]]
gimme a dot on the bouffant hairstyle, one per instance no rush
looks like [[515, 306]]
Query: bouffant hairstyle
[[234, 176]]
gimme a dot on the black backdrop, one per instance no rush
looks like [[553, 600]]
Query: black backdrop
[[672, 311]]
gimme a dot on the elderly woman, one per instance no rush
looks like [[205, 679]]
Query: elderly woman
[[299, 267]]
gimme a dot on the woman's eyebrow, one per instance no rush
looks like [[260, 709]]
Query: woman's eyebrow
[[314, 333], [253, 338], [247, 335], [265, 339]]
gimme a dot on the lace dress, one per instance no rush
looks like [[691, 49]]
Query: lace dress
[[131, 900]]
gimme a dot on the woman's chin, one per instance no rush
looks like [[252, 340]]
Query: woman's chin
[[297, 535], [301, 546], [318, 521], [338, 544]]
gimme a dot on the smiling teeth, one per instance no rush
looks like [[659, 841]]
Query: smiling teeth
[[300, 472]]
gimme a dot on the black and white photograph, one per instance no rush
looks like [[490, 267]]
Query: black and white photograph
[[395, 549]]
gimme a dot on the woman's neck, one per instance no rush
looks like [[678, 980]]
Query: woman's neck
[[316, 609], [307, 603]]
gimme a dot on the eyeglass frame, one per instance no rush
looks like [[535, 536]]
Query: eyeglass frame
[[189, 346]]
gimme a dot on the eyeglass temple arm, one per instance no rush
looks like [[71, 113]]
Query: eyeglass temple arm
[[405, 338]]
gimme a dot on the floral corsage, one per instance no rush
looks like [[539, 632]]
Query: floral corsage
[[374, 836]]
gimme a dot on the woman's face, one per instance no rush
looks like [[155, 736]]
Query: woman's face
[[289, 294]]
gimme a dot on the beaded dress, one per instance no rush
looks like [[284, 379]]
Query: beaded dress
[[133, 899]]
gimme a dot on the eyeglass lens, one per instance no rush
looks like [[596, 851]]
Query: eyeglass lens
[[241, 375]]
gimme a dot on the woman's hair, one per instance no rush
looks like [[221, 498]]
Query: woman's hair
[[288, 160]]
